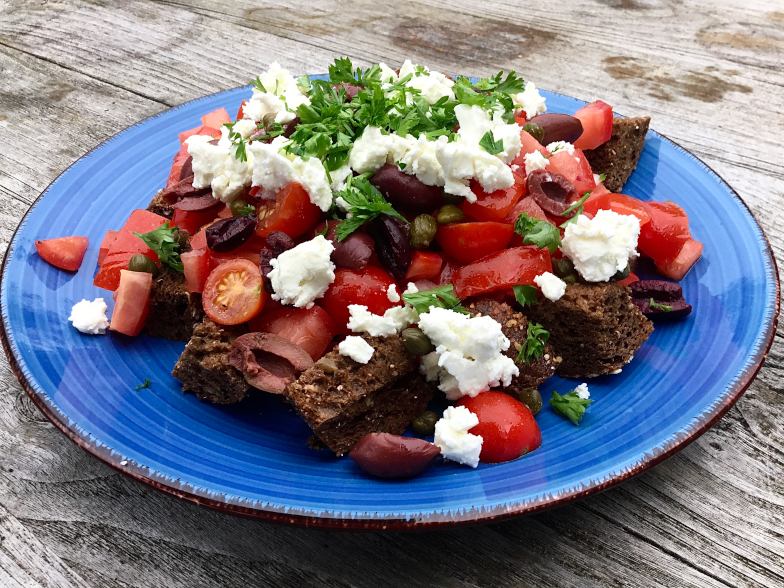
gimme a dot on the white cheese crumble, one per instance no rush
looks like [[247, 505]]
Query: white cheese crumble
[[282, 97], [302, 274], [421, 160], [453, 438], [392, 294], [530, 101], [560, 146], [534, 161], [370, 151], [395, 319], [90, 317], [469, 353], [215, 166], [462, 161], [601, 246], [582, 391], [356, 348], [432, 85], [551, 286]]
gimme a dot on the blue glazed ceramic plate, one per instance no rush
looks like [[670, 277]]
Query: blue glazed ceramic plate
[[252, 458]]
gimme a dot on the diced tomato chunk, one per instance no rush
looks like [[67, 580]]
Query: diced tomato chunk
[[529, 146], [224, 212], [108, 239], [193, 220], [630, 279], [367, 287], [521, 118], [495, 205], [196, 267], [291, 212], [502, 270], [678, 267], [600, 189], [620, 203], [468, 242], [202, 130], [241, 111], [310, 328], [216, 119], [199, 240], [447, 270], [425, 265], [596, 118], [63, 252], [527, 205], [663, 237], [131, 302], [253, 255], [575, 167]]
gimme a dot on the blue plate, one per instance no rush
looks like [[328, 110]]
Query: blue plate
[[252, 458]]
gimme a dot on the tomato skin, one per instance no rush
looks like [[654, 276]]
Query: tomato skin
[[292, 212], [664, 236], [367, 287], [630, 279], [600, 189], [425, 265], [63, 252], [216, 118], [507, 427], [199, 240], [196, 267], [575, 168], [495, 205], [680, 265], [502, 270], [241, 299], [192, 221], [131, 302], [468, 242], [241, 111], [620, 203], [108, 239], [310, 328], [529, 146], [214, 132], [596, 119]]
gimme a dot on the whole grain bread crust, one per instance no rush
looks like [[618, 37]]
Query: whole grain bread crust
[[173, 311], [618, 157]]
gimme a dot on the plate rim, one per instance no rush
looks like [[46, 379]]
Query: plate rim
[[676, 442]]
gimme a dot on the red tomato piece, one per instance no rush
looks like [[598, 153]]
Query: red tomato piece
[[216, 119], [599, 190], [425, 265], [193, 220], [252, 255], [214, 132], [507, 427], [468, 242], [678, 267], [291, 212], [367, 287], [620, 203], [520, 118], [131, 302], [630, 279], [597, 125], [575, 167], [177, 163], [199, 240], [495, 205], [447, 271], [527, 205], [224, 212], [233, 293], [64, 252], [108, 239], [241, 111], [196, 266], [663, 237], [125, 246], [502, 270], [310, 328]]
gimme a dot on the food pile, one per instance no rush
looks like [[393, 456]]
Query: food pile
[[362, 243]]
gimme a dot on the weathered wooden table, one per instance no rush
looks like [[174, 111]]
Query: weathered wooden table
[[710, 73]]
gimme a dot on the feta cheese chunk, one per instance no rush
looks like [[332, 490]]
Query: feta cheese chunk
[[90, 317], [356, 348], [582, 391], [453, 438], [534, 161], [215, 166], [560, 146], [530, 101], [282, 97], [462, 161], [551, 286], [469, 354], [475, 122], [302, 274], [370, 151], [601, 246], [394, 320], [432, 85], [392, 294]]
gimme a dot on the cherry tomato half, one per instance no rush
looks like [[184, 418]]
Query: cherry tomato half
[[502, 270], [233, 293], [367, 287], [664, 236], [310, 328], [620, 203], [291, 212], [494, 206], [468, 242]]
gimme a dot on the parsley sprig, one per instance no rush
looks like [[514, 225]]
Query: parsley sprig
[[537, 232], [577, 208], [525, 294], [441, 297], [489, 144], [569, 405], [533, 348], [145, 385], [364, 203], [163, 241], [662, 307]]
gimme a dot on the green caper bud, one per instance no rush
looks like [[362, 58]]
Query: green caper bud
[[238, 207], [451, 198], [532, 399], [623, 274], [268, 120], [425, 424], [570, 279], [423, 231], [449, 214], [183, 238], [534, 130], [563, 267], [416, 342], [142, 263]]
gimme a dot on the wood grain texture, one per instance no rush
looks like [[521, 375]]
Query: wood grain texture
[[710, 74]]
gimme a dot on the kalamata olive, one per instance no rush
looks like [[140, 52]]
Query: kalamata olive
[[659, 300], [278, 242], [351, 90], [423, 231], [268, 362], [535, 131], [661, 290], [187, 168], [290, 127], [142, 263], [416, 342], [551, 191], [448, 214], [229, 233], [183, 189], [558, 127], [353, 252], [452, 198], [532, 399], [197, 203], [405, 192], [393, 246], [425, 424], [392, 456]]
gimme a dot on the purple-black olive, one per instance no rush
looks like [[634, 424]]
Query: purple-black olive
[[392, 456], [393, 246], [197, 203], [405, 192], [229, 233], [187, 168], [290, 127], [351, 90], [659, 299], [552, 191], [353, 252], [558, 127]]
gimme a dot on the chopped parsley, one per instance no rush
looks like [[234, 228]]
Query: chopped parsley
[[662, 307], [525, 294], [537, 232], [364, 203], [246, 210], [490, 145], [163, 241], [577, 208], [533, 348], [441, 297], [145, 385], [570, 405]]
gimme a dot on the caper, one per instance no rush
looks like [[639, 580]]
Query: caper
[[531, 398], [451, 198], [563, 267], [416, 342], [425, 424], [268, 120], [182, 237], [142, 263], [570, 279], [534, 130], [423, 230], [623, 274], [449, 214], [238, 207]]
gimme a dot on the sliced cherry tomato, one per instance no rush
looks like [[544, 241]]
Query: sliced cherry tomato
[[502, 270], [447, 270], [291, 212], [196, 267], [575, 167], [251, 254], [495, 205], [529, 146], [507, 427], [679, 266], [216, 119], [214, 132], [663, 237], [233, 293], [64, 252], [630, 279], [241, 111], [425, 265], [310, 328], [192, 221], [131, 302], [596, 118], [108, 239], [367, 287], [620, 203], [468, 242]]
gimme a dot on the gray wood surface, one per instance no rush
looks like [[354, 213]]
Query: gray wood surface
[[710, 73]]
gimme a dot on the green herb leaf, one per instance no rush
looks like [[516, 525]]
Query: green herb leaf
[[441, 297], [664, 307], [304, 82], [525, 294], [577, 207], [164, 243], [602, 177], [365, 203], [490, 145], [401, 165], [259, 86], [569, 405], [537, 232], [246, 210], [533, 348], [145, 385]]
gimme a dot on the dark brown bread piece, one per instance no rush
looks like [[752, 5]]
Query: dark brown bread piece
[[159, 206], [595, 328], [204, 366], [618, 157], [514, 326], [343, 400], [173, 311]]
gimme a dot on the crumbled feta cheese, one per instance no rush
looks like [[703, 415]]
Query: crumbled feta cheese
[[370, 151], [601, 246], [560, 146], [469, 352], [534, 161], [432, 85], [215, 166], [282, 97], [356, 348], [462, 161], [530, 101], [313, 177], [90, 317], [453, 438], [395, 319], [582, 391], [551, 286], [339, 177], [421, 160], [475, 122], [302, 274], [392, 294], [411, 288], [387, 73]]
